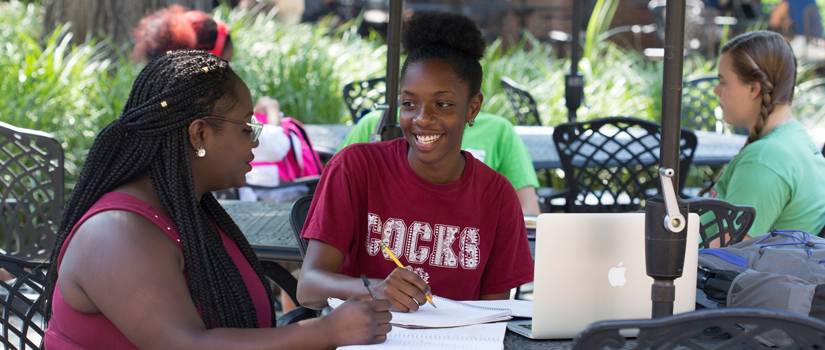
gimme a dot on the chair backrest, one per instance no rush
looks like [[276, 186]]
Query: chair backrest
[[31, 192], [23, 302], [725, 221], [524, 105], [726, 328], [611, 164], [361, 97], [297, 216]]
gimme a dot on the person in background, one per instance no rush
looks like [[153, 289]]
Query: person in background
[[175, 28], [797, 18], [456, 223], [779, 171], [274, 146], [145, 256], [492, 140], [801, 23]]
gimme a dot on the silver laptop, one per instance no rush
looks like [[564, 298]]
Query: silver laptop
[[591, 267]]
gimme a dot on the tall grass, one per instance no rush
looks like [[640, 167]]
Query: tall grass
[[51, 85], [304, 66]]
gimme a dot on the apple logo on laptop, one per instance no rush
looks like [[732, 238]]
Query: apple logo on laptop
[[616, 275]]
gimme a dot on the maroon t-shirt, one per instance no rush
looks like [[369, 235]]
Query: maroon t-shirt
[[465, 238]]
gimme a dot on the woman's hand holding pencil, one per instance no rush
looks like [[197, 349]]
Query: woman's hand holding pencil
[[405, 290]]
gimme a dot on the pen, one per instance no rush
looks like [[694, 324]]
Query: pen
[[367, 285], [395, 259]]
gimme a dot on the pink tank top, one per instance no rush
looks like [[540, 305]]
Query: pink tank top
[[71, 329]]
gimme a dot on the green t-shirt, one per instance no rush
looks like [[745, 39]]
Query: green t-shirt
[[782, 175], [492, 140]]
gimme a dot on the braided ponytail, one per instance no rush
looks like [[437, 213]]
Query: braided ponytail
[[764, 112]]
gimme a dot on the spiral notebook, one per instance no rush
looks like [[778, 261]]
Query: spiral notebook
[[449, 313], [475, 337]]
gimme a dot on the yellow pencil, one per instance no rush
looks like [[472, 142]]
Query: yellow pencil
[[395, 259]]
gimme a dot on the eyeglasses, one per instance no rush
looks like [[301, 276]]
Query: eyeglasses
[[253, 123]]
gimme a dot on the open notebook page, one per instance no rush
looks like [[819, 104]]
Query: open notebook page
[[449, 313], [476, 337], [518, 308]]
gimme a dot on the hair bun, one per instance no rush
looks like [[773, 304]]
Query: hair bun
[[443, 29]]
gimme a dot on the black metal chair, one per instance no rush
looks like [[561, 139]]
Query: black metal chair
[[700, 107], [22, 300], [31, 192], [297, 217], [285, 279], [734, 328], [523, 104], [722, 220], [361, 97], [611, 164]]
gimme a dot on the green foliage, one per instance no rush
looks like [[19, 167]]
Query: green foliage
[[600, 21], [303, 66], [73, 91], [51, 85]]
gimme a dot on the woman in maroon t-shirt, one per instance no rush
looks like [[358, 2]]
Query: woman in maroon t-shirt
[[145, 257], [455, 223]]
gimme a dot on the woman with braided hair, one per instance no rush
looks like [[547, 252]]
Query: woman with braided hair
[[145, 256], [780, 171]]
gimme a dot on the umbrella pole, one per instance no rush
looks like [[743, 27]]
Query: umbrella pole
[[573, 81], [665, 216], [388, 127]]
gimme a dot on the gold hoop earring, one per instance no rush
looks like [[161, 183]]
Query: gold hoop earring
[[201, 152]]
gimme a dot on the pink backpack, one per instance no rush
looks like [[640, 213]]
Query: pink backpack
[[290, 168]]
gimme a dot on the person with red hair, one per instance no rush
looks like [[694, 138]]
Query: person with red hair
[[175, 28]]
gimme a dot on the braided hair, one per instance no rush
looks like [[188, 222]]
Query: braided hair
[[150, 137], [447, 36], [766, 58]]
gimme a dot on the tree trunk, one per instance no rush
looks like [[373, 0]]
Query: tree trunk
[[110, 19]]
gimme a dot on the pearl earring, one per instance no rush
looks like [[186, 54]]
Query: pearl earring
[[201, 152]]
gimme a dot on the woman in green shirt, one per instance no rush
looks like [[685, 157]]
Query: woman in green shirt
[[779, 171]]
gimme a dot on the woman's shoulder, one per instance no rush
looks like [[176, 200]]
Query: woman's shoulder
[[119, 215], [118, 223], [124, 216], [117, 238], [782, 147]]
